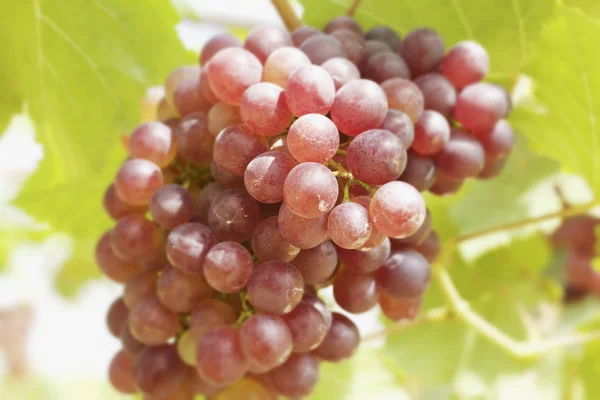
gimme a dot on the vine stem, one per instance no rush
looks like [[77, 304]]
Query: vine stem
[[288, 14], [353, 7]]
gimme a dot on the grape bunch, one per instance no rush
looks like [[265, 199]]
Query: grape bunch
[[275, 168]]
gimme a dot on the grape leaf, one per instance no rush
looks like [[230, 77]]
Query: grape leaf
[[591, 8], [507, 30], [80, 69], [564, 125]]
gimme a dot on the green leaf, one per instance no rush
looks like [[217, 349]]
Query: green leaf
[[591, 8], [78, 269], [80, 69], [564, 125], [506, 29]]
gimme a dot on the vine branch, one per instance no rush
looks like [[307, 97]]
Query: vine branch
[[353, 7], [288, 14], [434, 315]]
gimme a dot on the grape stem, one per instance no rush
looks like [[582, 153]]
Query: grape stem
[[288, 14], [353, 7], [247, 309], [341, 152], [342, 172]]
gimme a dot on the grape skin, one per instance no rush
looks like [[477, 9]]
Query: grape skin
[[159, 371], [320, 48], [220, 360], [341, 70], [499, 142], [310, 90], [386, 35], [492, 168], [403, 95], [181, 292], [187, 246], [405, 275], [136, 238], [420, 171], [262, 41], [304, 233], [438, 93], [297, 377], [445, 184], [233, 215], [397, 310], [130, 344], [137, 180], [120, 373], [153, 141], [204, 199], [152, 323], [187, 348], [359, 105], [231, 71], [210, 314], [265, 176], [140, 286], [300, 35], [400, 125], [235, 147], [432, 131], [313, 137], [386, 65], [224, 179], [364, 262], [355, 293], [268, 243], [117, 208], [188, 97], [371, 47], [216, 44], [351, 42], [461, 157], [264, 109], [423, 50], [348, 225], [176, 77], [419, 236], [341, 341], [220, 116], [343, 22], [310, 190], [307, 326], [117, 316], [275, 287], [194, 142], [480, 106], [266, 342], [317, 264], [467, 62], [228, 266], [113, 266], [397, 209], [204, 87], [282, 63], [171, 205]]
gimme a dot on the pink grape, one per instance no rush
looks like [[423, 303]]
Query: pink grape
[[120, 373], [348, 225], [420, 171], [224, 178], [176, 76], [282, 63], [301, 232], [418, 237], [313, 137], [159, 371], [341, 340], [189, 99], [220, 359], [462, 156], [320, 306], [303, 33], [405, 96], [203, 201], [136, 238], [137, 181], [343, 22], [371, 47], [364, 262], [209, 314], [432, 131], [220, 116], [263, 40], [376, 156], [111, 264], [466, 63], [227, 267], [341, 70], [405, 275], [317, 264], [152, 323], [397, 310], [307, 326], [235, 147], [310, 89], [385, 35], [194, 141], [297, 377], [264, 109], [320, 48], [153, 141], [187, 246], [359, 105], [117, 316], [172, 205], [438, 92], [233, 215], [138, 287], [117, 208], [499, 141], [204, 87], [268, 243], [266, 342], [386, 65], [165, 110], [400, 125], [480, 106], [231, 71], [355, 293], [423, 50], [216, 44], [130, 344], [445, 184], [275, 287], [310, 190], [182, 292], [265, 176], [397, 209], [352, 44], [492, 168]]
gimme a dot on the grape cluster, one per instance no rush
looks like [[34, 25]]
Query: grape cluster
[[275, 168]]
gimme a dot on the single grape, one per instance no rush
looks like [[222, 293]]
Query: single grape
[[405, 275], [204, 200], [153, 141], [220, 360], [341, 341], [313, 137], [309, 90], [397, 209], [320, 306], [194, 142], [405, 96], [130, 344], [181, 292], [172, 205], [499, 142], [348, 225], [117, 316], [386, 35], [579, 272], [198, 386], [376, 237], [231, 71], [247, 389], [432, 132], [341, 70], [352, 44], [418, 237], [282, 63], [188, 97], [138, 287], [297, 377], [480, 106], [364, 262], [120, 373], [263, 40], [268, 243], [113, 266], [343, 22], [137, 181], [152, 323], [317, 264], [222, 115], [355, 293], [371, 47], [275, 287], [165, 110], [136, 238], [117, 208], [307, 326], [233, 215], [320, 48], [376, 157], [445, 184], [492, 168], [216, 44], [301, 232], [386, 65], [400, 125], [461, 157], [359, 105], [310, 190], [397, 310], [187, 348], [466, 63], [187, 246], [204, 87], [210, 314], [224, 179], [266, 342], [438, 93], [227, 267], [420, 171], [264, 109], [176, 77], [265, 176], [159, 371], [235, 147], [423, 50], [576, 234], [303, 33]]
